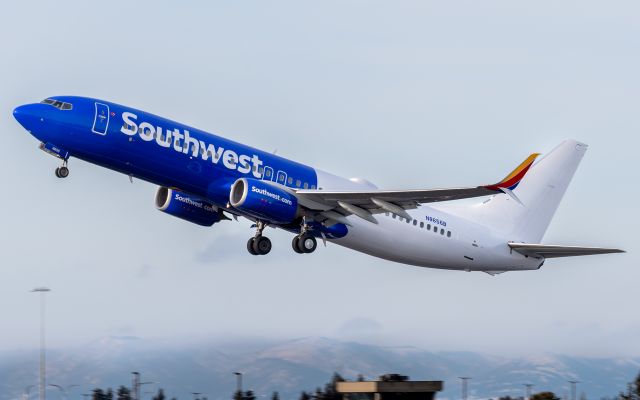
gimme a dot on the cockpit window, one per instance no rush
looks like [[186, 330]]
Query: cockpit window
[[60, 105]]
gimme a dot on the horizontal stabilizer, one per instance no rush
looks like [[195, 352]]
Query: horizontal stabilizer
[[553, 251]]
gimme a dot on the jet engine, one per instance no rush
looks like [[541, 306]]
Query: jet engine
[[264, 201], [187, 207]]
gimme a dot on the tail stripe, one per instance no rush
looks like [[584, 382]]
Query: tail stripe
[[513, 179]]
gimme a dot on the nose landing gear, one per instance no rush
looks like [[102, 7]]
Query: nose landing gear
[[63, 171]]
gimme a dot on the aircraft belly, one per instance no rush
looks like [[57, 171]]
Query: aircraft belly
[[398, 241]]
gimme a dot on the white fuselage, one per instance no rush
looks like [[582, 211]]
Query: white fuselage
[[434, 238]]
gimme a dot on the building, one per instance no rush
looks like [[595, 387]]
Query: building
[[390, 387]]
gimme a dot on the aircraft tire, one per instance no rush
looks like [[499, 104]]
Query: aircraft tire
[[58, 172], [294, 244], [250, 247], [63, 172], [262, 245], [307, 243]]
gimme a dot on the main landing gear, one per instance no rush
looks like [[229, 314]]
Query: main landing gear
[[304, 243], [259, 245], [63, 171]]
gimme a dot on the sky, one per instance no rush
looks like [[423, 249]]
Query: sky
[[406, 94]]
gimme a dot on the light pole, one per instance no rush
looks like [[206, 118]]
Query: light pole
[[43, 372], [465, 380], [136, 385], [573, 389], [195, 395], [239, 382], [528, 392]]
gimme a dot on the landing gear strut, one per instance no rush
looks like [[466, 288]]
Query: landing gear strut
[[259, 245], [63, 171]]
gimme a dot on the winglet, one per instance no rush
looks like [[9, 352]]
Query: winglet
[[512, 180]]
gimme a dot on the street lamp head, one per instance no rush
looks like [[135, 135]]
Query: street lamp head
[[41, 289], [237, 373]]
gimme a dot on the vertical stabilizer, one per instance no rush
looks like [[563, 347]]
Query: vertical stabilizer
[[526, 214]]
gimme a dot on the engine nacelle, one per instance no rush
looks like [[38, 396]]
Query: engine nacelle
[[263, 201], [187, 207]]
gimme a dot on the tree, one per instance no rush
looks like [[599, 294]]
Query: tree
[[248, 395], [160, 395], [305, 396], [237, 395], [123, 393], [275, 396], [545, 396], [98, 394], [330, 389]]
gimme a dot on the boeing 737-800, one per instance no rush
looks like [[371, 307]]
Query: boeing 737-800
[[204, 178]]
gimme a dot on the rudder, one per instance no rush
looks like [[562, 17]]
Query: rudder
[[539, 192]]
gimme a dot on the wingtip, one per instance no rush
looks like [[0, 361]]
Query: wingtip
[[511, 181]]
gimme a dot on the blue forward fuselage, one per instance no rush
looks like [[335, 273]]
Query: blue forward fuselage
[[156, 149]]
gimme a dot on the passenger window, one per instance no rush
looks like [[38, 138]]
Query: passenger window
[[435, 229], [313, 187], [393, 216], [442, 231], [415, 222], [290, 180], [448, 233], [421, 224], [268, 173], [428, 227], [260, 170], [408, 221], [281, 178], [306, 185], [298, 182]]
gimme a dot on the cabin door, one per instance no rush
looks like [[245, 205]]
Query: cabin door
[[101, 119]]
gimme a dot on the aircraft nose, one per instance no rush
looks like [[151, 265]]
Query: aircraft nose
[[26, 115]]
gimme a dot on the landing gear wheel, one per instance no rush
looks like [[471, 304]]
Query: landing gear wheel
[[307, 243], [294, 244], [250, 246], [62, 172], [261, 245], [58, 172]]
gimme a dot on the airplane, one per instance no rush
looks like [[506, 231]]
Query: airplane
[[204, 179]]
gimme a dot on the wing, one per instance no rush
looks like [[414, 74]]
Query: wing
[[335, 205], [553, 251]]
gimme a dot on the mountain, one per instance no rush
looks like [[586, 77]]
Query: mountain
[[302, 364]]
